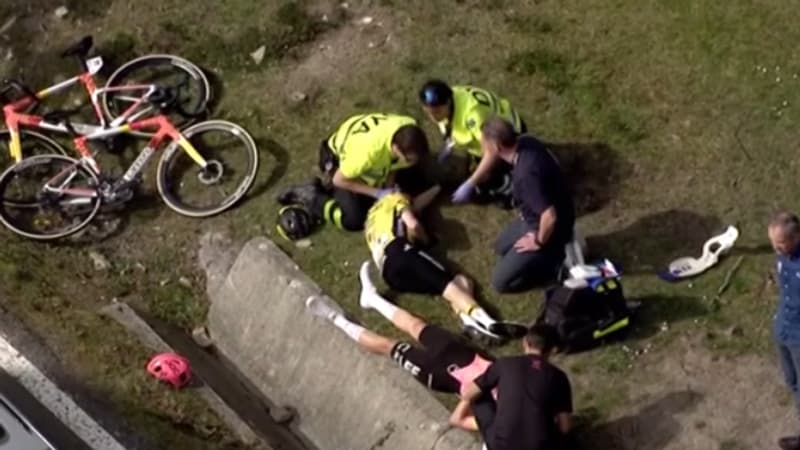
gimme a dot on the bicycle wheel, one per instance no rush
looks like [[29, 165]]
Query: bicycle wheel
[[33, 143], [47, 197], [166, 71], [232, 159]]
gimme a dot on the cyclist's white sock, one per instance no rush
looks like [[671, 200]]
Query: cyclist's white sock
[[480, 314], [380, 304], [351, 329], [370, 298]]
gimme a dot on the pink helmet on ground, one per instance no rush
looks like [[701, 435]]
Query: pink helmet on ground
[[170, 368]]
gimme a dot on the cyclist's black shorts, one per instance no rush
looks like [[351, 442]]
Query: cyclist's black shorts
[[429, 364], [409, 269]]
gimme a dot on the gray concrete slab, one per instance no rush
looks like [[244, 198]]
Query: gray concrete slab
[[345, 399]]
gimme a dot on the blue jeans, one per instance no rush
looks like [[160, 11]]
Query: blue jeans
[[790, 363]]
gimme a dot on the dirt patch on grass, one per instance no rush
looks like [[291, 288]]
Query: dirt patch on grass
[[343, 52], [688, 397]]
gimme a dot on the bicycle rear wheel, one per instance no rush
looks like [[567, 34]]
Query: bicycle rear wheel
[[233, 162], [47, 197], [33, 143], [166, 71]]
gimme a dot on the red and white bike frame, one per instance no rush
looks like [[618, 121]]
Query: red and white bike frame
[[14, 118]]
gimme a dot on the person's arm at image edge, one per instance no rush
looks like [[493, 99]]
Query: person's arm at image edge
[[343, 182], [462, 416]]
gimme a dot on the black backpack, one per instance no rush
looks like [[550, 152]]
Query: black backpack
[[586, 316]]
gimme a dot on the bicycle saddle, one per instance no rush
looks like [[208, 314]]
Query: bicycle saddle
[[80, 48]]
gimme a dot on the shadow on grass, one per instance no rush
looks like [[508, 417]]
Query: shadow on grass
[[446, 233], [653, 427], [594, 170], [657, 309], [652, 242], [281, 158], [111, 222], [217, 90]]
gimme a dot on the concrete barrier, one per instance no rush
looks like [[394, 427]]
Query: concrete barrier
[[345, 399]]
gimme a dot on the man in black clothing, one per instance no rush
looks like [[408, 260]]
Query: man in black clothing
[[534, 399], [531, 248]]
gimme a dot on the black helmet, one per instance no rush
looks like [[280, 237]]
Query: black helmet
[[435, 93], [294, 222]]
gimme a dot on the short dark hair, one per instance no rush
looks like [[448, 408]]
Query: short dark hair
[[410, 139], [499, 130], [542, 337], [787, 222]]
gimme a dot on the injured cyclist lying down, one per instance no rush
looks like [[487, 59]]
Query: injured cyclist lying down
[[395, 236], [445, 363], [442, 361]]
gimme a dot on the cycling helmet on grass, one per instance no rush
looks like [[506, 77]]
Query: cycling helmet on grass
[[294, 222], [170, 368]]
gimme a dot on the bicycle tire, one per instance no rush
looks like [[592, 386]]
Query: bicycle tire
[[167, 186], [46, 146], [118, 78], [7, 202]]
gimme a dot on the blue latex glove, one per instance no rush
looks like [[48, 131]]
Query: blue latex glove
[[384, 192], [463, 193], [446, 150]]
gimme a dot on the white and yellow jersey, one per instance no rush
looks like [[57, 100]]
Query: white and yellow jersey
[[384, 224]]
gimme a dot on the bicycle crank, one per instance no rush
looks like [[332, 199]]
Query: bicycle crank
[[212, 172]]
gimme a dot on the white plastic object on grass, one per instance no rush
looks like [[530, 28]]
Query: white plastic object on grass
[[688, 266], [582, 274]]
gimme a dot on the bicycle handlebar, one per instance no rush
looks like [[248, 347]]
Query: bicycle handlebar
[[9, 84], [166, 98]]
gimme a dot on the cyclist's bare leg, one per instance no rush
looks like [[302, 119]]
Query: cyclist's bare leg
[[465, 283], [459, 294], [376, 343], [408, 323]]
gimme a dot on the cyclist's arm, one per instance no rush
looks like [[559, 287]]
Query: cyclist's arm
[[462, 414], [341, 181], [415, 230], [463, 418], [424, 199]]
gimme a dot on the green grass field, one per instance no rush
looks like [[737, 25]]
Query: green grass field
[[673, 118]]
